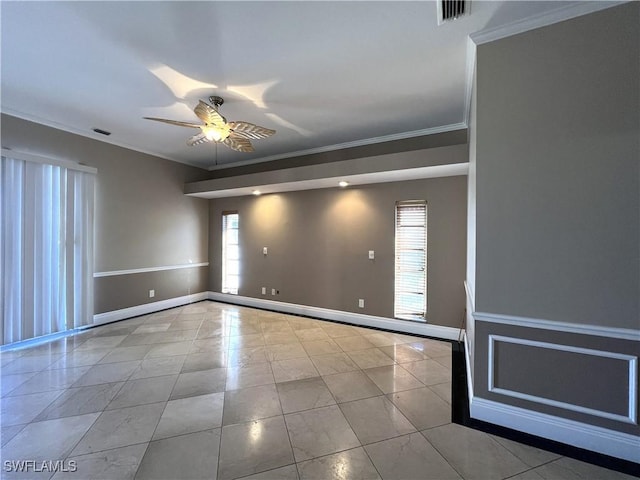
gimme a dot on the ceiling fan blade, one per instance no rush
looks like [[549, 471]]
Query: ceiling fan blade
[[249, 130], [173, 122], [208, 114], [198, 139], [238, 143]]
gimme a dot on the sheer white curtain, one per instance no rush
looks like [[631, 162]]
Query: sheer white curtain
[[46, 248]]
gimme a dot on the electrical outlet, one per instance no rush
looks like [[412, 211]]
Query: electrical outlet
[[152, 293], [265, 250], [372, 255], [361, 302], [264, 290], [273, 291]]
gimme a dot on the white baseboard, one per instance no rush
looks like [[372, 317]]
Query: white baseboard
[[405, 326], [145, 309], [577, 434]]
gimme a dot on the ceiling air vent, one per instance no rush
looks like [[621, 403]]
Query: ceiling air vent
[[451, 9]]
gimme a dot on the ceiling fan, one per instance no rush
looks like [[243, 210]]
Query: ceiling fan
[[235, 135]]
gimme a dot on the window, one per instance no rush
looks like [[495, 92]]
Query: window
[[230, 253], [411, 260]]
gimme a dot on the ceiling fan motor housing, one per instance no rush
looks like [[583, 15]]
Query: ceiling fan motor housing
[[216, 101]]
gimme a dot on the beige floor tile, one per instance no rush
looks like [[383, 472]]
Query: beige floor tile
[[349, 386], [249, 376], [78, 401], [571, 469], [304, 394], [403, 353], [351, 464], [474, 454], [429, 372], [254, 447], [319, 432], [392, 378], [143, 391], [290, 472], [121, 463], [334, 363], [293, 369], [321, 347], [423, 408], [200, 383], [372, 357], [350, 344], [45, 440], [285, 351], [119, 428], [193, 456], [533, 457], [374, 419], [189, 415], [410, 457], [251, 403]]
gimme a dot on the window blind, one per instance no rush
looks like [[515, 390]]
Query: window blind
[[46, 248], [411, 260]]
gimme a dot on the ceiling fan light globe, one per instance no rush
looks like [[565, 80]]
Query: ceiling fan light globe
[[215, 133]]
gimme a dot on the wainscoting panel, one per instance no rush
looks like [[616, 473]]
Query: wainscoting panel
[[580, 376], [574, 384]]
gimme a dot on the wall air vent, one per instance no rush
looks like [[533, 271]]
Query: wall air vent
[[101, 132], [449, 10]]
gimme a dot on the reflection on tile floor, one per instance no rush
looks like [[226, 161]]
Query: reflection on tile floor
[[219, 391]]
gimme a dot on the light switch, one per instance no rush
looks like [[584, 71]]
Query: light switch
[[372, 255], [265, 250]]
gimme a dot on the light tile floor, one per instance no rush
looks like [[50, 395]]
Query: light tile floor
[[218, 391]]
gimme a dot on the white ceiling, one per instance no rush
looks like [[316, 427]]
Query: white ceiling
[[323, 74]]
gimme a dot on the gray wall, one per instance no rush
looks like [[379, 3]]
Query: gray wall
[[142, 217], [557, 131], [318, 243], [557, 172]]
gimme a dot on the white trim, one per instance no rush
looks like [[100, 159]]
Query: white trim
[[470, 298], [340, 146], [467, 359], [30, 157], [405, 326], [579, 328], [577, 434], [469, 71], [632, 362], [541, 20], [114, 273], [114, 315]]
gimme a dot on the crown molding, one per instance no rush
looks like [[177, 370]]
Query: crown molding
[[88, 134], [560, 14]]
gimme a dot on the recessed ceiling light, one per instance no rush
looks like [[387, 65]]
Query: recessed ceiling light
[[256, 192], [344, 184]]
